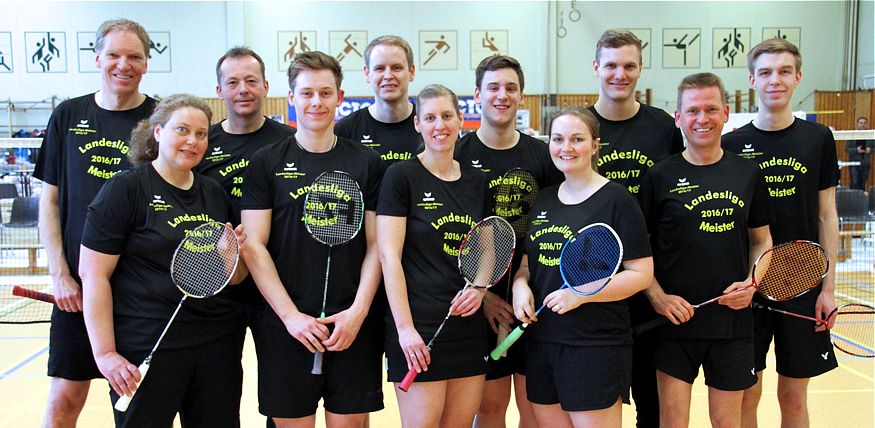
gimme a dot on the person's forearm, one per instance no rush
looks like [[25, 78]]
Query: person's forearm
[[828, 226], [98, 314], [264, 272], [50, 232]]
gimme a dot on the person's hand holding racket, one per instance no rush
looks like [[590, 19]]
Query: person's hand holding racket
[[347, 324], [823, 308], [499, 314], [67, 292], [738, 295], [307, 330], [122, 375], [484, 257]]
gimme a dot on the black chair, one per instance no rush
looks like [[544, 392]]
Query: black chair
[[8, 191], [24, 215], [851, 206]]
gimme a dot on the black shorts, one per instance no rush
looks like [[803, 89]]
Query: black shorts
[[800, 352], [70, 354], [727, 363], [350, 383], [450, 359], [202, 384], [579, 378], [513, 363]]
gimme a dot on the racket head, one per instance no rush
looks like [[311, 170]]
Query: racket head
[[333, 208], [515, 195], [854, 330], [590, 258], [790, 269], [486, 251], [205, 260]]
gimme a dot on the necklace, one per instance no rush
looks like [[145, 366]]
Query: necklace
[[333, 144]]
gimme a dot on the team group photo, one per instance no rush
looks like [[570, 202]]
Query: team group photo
[[585, 223]]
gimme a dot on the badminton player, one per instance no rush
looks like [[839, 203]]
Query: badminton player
[[133, 227], [579, 352]]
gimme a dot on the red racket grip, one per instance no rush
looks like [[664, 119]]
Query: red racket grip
[[408, 380], [31, 294]]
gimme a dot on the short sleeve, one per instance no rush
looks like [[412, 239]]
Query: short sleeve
[[257, 182], [394, 192], [760, 213], [48, 164], [376, 170], [829, 173], [110, 217]]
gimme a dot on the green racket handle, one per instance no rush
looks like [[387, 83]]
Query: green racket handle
[[508, 342]]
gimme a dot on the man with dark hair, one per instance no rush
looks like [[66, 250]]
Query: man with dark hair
[[703, 246], [232, 142], [860, 151], [634, 137], [798, 159], [495, 148], [387, 125], [86, 144], [288, 267]]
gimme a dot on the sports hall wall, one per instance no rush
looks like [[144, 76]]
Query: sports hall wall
[[199, 32]]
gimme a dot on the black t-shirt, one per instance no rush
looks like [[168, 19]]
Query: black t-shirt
[[278, 178], [393, 141], [228, 155], [605, 323], [439, 214], [226, 159], [798, 162], [84, 146], [628, 148], [698, 217], [529, 154], [142, 218]]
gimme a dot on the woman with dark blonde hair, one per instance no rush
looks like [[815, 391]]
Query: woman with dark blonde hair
[[427, 204], [132, 229]]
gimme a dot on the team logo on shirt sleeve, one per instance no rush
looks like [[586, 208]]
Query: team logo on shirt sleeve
[[158, 204]]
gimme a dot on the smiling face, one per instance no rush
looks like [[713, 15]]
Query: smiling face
[[182, 141], [618, 70], [701, 116], [242, 87], [389, 74], [439, 122], [500, 95], [774, 78], [122, 61], [572, 146], [315, 98]]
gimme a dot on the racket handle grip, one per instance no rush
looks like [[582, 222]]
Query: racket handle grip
[[649, 325], [32, 294], [317, 363], [408, 380], [508, 341], [124, 401]]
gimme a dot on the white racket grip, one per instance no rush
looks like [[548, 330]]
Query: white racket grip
[[124, 401]]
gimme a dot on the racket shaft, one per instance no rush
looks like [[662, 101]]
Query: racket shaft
[[508, 341], [792, 314], [32, 294], [124, 401], [317, 358]]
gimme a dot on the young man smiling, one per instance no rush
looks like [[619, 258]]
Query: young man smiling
[[800, 164]]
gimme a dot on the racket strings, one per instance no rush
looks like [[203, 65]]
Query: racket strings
[[333, 210], [487, 251], [854, 330], [790, 269], [514, 197], [594, 255], [205, 260]]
